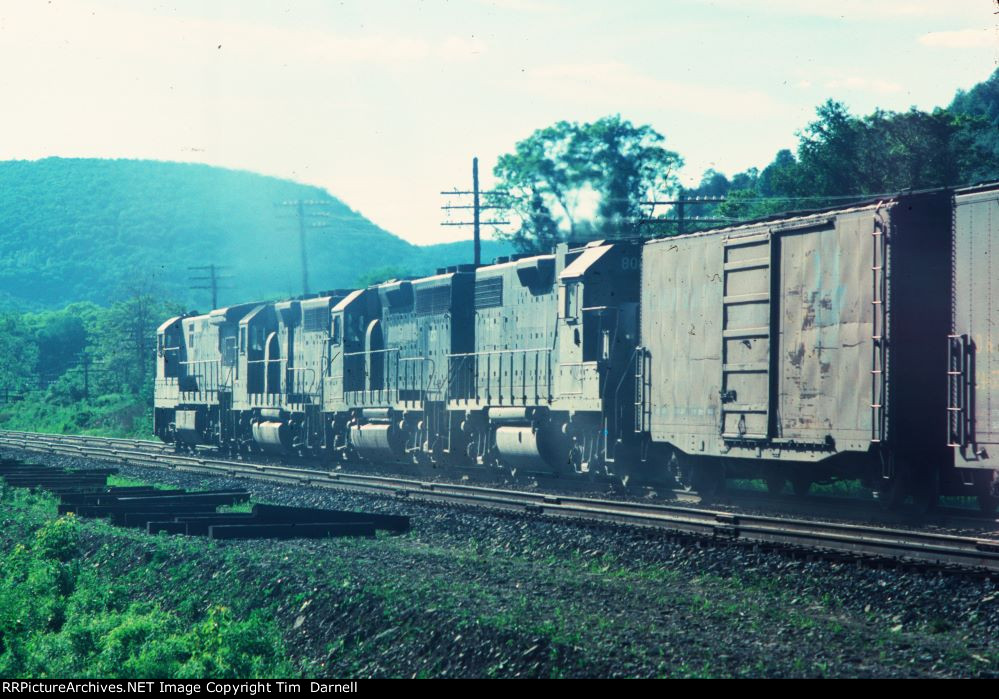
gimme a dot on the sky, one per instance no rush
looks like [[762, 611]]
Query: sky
[[384, 102]]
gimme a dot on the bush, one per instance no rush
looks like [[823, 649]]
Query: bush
[[59, 618]]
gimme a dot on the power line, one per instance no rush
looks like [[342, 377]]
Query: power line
[[212, 280], [299, 205], [476, 206]]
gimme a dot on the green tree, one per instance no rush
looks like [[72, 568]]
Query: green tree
[[572, 180], [977, 114]]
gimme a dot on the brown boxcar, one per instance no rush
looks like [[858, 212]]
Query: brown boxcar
[[802, 348], [973, 369]]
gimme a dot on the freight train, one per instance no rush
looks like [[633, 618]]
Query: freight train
[[856, 343]]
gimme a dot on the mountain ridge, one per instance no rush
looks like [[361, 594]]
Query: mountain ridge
[[89, 229]]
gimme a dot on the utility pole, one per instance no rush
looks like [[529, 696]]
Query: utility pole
[[211, 279], [301, 247], [477, 208], [86, 376], [680, 205], [302, 212], [477, 241], [679, 212]]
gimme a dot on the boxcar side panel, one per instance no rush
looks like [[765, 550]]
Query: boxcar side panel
[[976, 314], [681, 328]]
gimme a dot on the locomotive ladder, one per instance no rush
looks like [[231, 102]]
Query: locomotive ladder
[[879, 331], [643, 390]]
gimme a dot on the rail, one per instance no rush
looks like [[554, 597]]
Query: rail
[[860, 541]]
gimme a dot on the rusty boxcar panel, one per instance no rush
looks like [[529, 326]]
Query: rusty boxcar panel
[[974, 390], [826, 330]]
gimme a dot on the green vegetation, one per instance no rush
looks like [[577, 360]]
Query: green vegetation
[[840, 153], [92, 230], [575, 181], [65, 613], [82, 598], [81, 369]]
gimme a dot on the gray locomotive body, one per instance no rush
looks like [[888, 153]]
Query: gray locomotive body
[[841, 344]]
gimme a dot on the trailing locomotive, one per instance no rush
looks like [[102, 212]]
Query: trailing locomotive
[[838, 344], [519, 365]]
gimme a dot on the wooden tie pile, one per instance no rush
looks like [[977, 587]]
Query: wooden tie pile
[[87, 494]]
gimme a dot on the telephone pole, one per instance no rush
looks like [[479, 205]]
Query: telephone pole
[[301, 212], [680, 205], [211, 279], [477, 208], [86, 376], [301, 247]]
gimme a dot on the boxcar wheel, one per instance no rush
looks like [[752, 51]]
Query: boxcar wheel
[[775, 484], [679, 468], [926, 491], [987, 502], [890, 492], [801, 485], [709, 481]]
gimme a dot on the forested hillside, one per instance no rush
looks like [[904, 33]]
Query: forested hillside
[[95, 230]]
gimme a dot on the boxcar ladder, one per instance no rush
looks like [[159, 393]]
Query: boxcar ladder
[[960, 387], [879, 331]]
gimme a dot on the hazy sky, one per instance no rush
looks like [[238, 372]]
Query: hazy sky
[[384, 102]]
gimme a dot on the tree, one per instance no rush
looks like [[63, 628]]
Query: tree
[[573, 180], [977, 114]]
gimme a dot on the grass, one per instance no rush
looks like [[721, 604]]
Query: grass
[[69, 609], [82, 598], [111, 415]]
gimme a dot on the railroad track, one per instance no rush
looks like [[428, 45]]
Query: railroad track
[[854, 540]]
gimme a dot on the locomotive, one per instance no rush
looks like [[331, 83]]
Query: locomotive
[[841, 344]]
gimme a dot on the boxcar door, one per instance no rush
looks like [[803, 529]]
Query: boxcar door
[[829, 320]]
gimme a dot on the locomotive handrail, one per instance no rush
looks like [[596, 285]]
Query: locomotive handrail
[[311, 390], [502, 351], [523, 386]]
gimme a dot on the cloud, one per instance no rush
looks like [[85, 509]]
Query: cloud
[[522, 5], [962, 39], [626, 86], [856, 82], [71, 27], [858, 10]]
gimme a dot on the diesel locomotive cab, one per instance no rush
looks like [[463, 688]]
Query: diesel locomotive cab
[[553, 334], [170, 353]]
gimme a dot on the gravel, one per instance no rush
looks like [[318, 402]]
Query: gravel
[[470, 593]]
